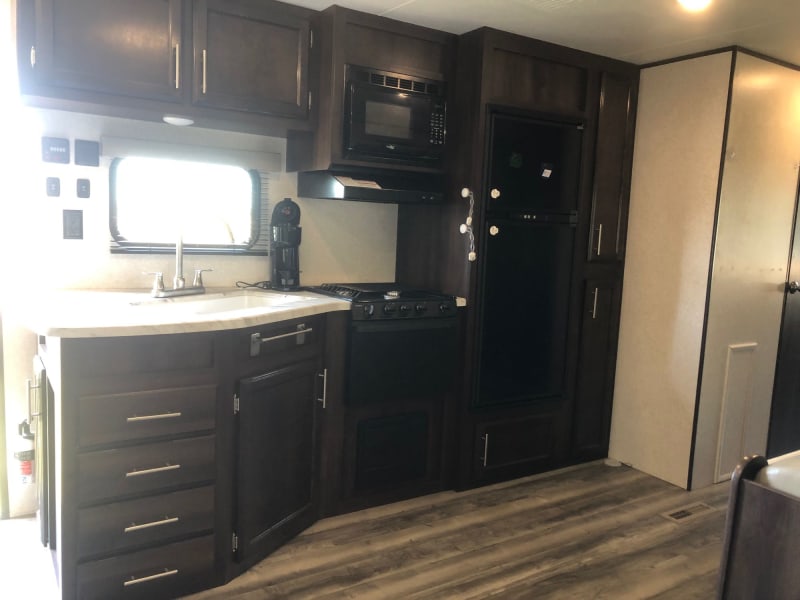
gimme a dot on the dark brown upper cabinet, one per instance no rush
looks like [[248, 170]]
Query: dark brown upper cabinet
[[251, 56], [612, 167], [349, 37], [241, 64], [108, 46]]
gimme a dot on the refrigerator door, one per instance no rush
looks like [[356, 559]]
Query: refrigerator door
[[524, 312], [533, 165]]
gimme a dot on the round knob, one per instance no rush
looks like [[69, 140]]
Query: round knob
[[389, 309], [793, 286], [404, 309], [444, 307], [369, 310], [421, 308], [494, 230], [494, 193]]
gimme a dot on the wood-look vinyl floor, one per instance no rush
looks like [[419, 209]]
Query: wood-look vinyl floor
[[590, 531]]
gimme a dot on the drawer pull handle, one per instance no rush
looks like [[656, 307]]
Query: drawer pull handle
[[151, 471], [165, 521], [171, 415], [256, 340], [166, 573]]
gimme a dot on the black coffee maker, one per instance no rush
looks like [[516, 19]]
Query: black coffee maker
[[285, 245]]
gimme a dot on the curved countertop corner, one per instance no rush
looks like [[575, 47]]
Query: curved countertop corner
[[101, 313]]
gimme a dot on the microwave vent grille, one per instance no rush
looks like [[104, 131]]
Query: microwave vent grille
[[401, 83]]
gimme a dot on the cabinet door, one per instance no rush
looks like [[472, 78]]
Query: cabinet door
[[612, 168], [514, 447], [276, 458], [110, 46], [251, 56], [596, 362]]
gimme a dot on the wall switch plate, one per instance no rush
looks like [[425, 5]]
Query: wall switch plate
[[87, 153], [84, 188], [55, 150], [53, 187], [73, 224]]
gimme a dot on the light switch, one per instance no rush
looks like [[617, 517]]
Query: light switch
[[53, 187], [84, 188]]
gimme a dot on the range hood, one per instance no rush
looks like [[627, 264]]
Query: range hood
[[371, 186]]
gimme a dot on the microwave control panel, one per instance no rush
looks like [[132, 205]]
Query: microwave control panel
[[438, 124]]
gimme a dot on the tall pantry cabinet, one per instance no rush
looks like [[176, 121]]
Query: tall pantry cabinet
[[712, 210]]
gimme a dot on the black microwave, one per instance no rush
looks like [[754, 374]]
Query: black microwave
[[391, 117]]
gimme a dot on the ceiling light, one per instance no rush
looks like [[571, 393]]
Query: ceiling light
[[694, 5]]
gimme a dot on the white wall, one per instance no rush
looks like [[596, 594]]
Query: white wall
[[754, 229], [680, 122]]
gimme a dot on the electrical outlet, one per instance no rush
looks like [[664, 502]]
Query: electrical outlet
[[73, 224]]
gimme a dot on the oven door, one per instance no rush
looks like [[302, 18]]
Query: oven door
[[391, 361], [390, 124]]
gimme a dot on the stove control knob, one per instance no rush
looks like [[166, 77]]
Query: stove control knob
[[421, 308], [369, 310], [389, 308], [404, 309], [444, 308]]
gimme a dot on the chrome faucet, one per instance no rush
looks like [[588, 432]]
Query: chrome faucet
[[178, 282]]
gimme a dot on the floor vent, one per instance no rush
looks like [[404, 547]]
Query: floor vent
[[688, 513]]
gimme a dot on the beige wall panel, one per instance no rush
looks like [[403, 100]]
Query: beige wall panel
[[680, 124], [752, 248]]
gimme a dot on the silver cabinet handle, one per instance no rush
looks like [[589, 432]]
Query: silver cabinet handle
[[164, 521], [495, 193], [485, 449], [324, 398], [594, 304], [494, 230], [169, 415], [256, 340], [205, 56], [29, 387], [165, 573], [793, 287], [177, 66], [599, 238], [152, 471]]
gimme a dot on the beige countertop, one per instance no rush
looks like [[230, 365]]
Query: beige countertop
[[96, 313]]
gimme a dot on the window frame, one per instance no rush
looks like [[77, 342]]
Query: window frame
[[121, 245]]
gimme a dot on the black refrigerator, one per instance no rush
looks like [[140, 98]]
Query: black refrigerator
[[528, 244]]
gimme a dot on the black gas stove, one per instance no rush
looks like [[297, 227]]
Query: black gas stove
[[382, 301]]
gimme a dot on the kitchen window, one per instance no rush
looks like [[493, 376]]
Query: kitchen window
[[214, 208]]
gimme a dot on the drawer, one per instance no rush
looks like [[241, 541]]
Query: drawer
[[282, 342], [121, 526], [144, 469], [141, 415], [165, 572]]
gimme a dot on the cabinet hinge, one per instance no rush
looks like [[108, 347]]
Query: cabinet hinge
[[236, 404], [234, 542], [33, 56]]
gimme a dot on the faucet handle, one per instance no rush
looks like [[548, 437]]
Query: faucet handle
[[158, 280], [198, 277]]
